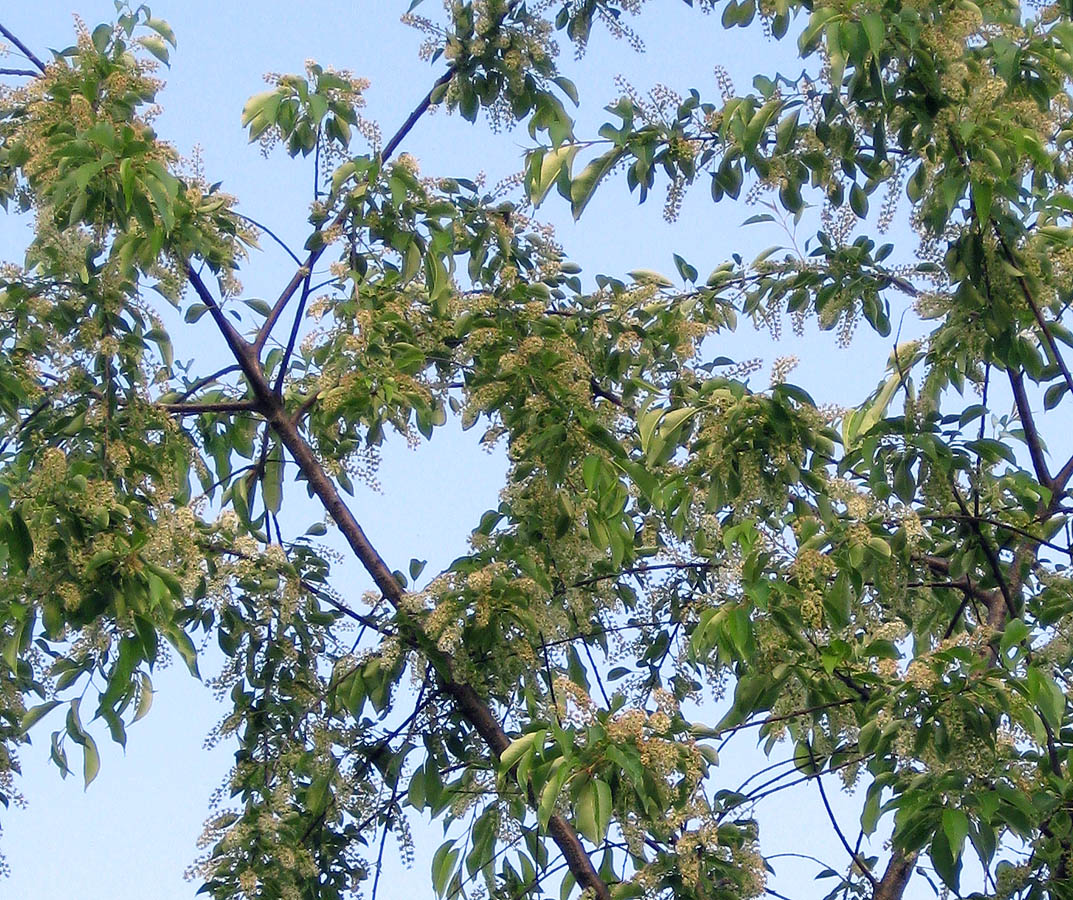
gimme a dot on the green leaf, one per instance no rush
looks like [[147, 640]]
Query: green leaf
[[1047, 696], [517, 748], [163, 29], [585, 813], [982, 194], [545, 169], [411, 261], [180, 640], [145, 696], [875, 30], [19, 543], [550, 793], [956, 827], [567, 87], [91, 760], [272, 482], [584, 185], [804, 758], [126, 177], [858, 201], [35, 714], [443, 864], [156, 46]]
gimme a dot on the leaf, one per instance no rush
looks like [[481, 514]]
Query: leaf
[[567, 87], [1046, 695], [515, 750], [180, 640], [670, 421], [858, 201], [35, 714], [872, 809], [805, 760], [553, 163], [126, 177], [156, 46], [20, 545], [443, 864], [956, 827], [648, 276], [91, 760], [585, 813], [272, 482], [875, 30], [550, 793], [163, 29], [145, 696], [257, 104], [411, 261], [584, 186], [982, 194]]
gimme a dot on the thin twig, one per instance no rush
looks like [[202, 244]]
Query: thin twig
[[1013, 529], [857, 861], [989, 552], [270, 233], [1037, 313], [207, 380], [306, 268]]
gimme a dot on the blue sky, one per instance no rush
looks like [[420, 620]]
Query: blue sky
[[134, 831]]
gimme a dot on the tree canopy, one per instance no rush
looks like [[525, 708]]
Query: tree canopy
[[881, 590]]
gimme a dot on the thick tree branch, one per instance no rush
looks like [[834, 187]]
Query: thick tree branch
[[467, 701], [240, 348], [223, 406], [474, 709], [892, 885], [1028, 422], [1063, 476]]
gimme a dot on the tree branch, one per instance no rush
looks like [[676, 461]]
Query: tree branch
[[1002, 526], [1024, 413], [306, 268], [26, 51], [223, 406], [995, 616], [467, 701], [1037, 313], [240, 348], [857, 861], [892, 885], [206, 380], [270, 233], [411, 120]]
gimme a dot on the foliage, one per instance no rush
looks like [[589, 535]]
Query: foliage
[[884, 589]]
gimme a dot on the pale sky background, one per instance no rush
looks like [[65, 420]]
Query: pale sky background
[[133, 832]]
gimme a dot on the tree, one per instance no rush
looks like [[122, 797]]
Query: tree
[[884, 587]]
